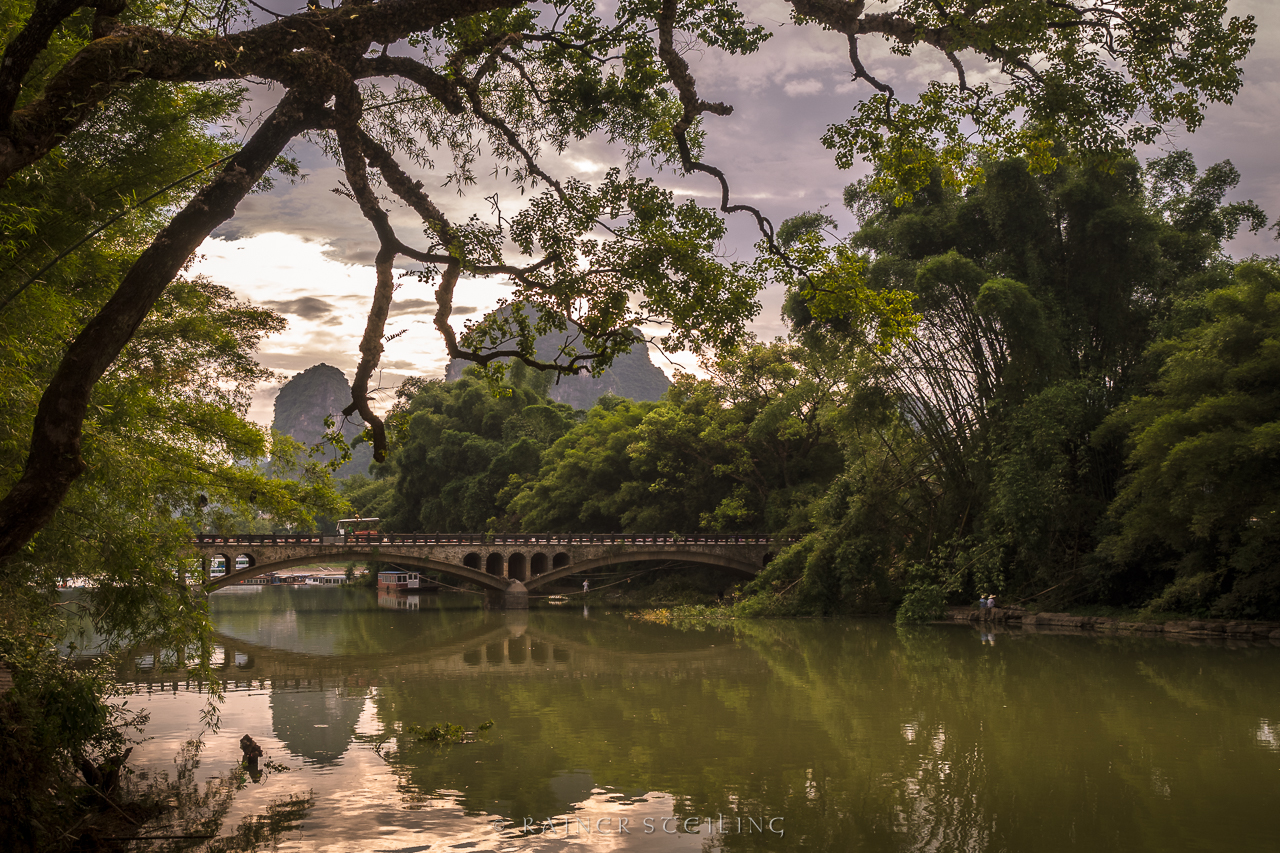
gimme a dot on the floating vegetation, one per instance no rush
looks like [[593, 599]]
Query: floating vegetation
[[688, 615], [442, 733]]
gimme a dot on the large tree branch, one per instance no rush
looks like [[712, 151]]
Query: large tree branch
[[686, 86], [347, 110], [45, 19], [54, 461], [278, 51], [437, 85], [955, 35]]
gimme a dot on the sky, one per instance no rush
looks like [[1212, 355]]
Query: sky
[[308, 253]]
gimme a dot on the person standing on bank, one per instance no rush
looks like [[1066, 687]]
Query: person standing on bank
[[586, 586]]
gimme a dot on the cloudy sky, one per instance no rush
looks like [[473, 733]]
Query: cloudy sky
[[306, 252]]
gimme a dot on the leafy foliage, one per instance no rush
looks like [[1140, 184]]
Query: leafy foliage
[[970, 457], [744, 451], [1200, 508], [461, 447], [585, 480]]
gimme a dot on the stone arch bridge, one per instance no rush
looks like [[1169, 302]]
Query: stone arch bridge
[[508, 567]]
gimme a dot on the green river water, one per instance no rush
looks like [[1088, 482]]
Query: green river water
[[615, 734]]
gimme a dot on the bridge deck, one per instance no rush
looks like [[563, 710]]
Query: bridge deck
[[494, 539]]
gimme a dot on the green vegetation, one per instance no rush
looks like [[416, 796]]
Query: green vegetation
[[444, 733], [1200, 509], [164, 447], [461, 447], [1073, 409]]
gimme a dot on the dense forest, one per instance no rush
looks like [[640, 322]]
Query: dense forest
[[1079, 408]]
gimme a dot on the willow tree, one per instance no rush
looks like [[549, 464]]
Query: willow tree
[[395, 86]]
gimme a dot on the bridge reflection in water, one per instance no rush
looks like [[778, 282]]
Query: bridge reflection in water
[[320, 676]]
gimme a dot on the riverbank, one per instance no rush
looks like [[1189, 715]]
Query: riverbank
[[1191, 629]]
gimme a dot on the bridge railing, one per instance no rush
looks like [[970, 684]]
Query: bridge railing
[[482, 539]]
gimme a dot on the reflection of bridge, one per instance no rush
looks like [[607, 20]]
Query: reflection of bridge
[[508, 567], [494, 644]]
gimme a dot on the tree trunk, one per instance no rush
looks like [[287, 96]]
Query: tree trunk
[[54, 461]]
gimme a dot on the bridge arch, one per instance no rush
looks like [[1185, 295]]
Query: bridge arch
[[747, 568], [517, 567], [484, 579], [494, 564], [538, 564]]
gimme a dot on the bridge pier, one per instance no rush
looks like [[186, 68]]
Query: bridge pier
[[514, 597]]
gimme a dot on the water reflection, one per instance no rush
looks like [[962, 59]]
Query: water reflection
[[846, 735], [317, 725]]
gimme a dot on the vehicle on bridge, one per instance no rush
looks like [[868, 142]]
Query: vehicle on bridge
[[357, 527]]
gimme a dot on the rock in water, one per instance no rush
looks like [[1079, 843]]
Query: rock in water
[[252, 752]]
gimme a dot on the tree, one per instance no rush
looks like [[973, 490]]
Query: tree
[[971, 461], [748, 449], [170, 450], [1199, 513], [585, 483], [461, 448], [523, 81], [744, 451]]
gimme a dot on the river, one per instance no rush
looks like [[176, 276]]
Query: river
[[611, 733]]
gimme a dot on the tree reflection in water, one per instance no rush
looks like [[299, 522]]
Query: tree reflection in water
[[193, 814]]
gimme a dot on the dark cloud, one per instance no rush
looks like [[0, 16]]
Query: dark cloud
[[413, 306], [306, 307], [290, 363]]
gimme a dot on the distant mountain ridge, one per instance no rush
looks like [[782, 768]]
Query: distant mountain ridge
[[307, 399], [633, 375]]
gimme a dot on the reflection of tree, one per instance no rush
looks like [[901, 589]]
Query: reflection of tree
[[961, 747], [198, 813], [861, 737], [344, 621]]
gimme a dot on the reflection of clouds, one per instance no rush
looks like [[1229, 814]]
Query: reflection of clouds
[[361, 804]]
